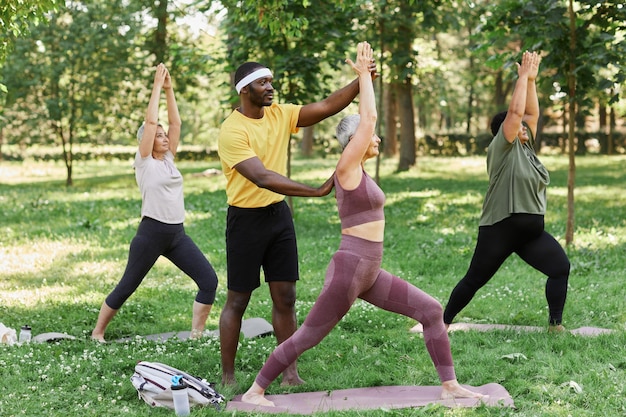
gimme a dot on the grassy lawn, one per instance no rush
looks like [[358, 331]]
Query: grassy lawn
[[62, 251]]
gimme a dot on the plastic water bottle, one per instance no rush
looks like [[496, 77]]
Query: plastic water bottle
[[25, 334], [179, 394]]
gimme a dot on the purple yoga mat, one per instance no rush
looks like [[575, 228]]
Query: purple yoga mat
[[372, 398], [582, 331]]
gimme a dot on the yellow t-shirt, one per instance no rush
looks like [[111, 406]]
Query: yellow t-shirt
[[242, 138]]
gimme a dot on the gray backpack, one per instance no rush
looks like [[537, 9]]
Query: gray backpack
[[153, 381]]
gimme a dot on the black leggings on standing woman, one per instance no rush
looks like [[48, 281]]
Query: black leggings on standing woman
[[524, 235], [154, 239]]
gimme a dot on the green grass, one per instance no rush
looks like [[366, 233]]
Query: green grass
[[63, 249]]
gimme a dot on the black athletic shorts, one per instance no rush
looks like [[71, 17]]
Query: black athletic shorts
[[260, 238]]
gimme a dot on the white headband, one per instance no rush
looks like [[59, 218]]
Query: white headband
[[255, 75]]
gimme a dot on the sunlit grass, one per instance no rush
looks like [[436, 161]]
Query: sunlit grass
[[63, 250]]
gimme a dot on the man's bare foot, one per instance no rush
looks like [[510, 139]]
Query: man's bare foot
[[452, 389], [556, 328], [291, 382], [228, 380], [256, 395], [291, 377]]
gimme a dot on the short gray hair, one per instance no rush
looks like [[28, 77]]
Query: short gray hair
[[346, 128], [141, 129]]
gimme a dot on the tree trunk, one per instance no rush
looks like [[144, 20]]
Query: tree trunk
[[603, 126], [610, 145], [160, 36], [67, 153], [500, 94], [470, 98], [469, 115], [571, 173], [67, 159], [602, 114], [565, 124], [306, 146], [390, 113], [407, 126], [69, 182], [289, 198]]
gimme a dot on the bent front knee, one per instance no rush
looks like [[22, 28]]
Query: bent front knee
[[436, 309], [432, 312], [562, 273]]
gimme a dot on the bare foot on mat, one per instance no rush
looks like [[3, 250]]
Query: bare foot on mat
[[556, 328], [98, 338], [256, 395], [196, 334], [452, 389]]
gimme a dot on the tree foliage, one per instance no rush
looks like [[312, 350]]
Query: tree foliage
[[303, 43], [577, 40], [16, 18], [67, 70], [445, 64], [515, 25]]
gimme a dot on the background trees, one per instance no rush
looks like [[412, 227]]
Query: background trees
[[15, 20], [583, 47], [446, 66], [305, 44], [84, 76], [63, 74]]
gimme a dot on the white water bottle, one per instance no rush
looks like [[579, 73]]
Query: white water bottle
[[179, 395], [25, 334]]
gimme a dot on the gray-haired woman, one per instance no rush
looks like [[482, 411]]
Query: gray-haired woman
[[354, 271]]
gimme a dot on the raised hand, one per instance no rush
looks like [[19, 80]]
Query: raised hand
[[534, 60], [167, 83], [529, 66], [364, 58], [160, 76]]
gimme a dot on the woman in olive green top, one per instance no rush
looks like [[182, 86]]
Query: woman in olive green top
[[512, 219]]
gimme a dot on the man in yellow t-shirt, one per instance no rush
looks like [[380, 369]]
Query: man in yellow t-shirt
[[252, 146]]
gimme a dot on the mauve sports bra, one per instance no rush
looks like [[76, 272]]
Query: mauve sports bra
[[362, 205]]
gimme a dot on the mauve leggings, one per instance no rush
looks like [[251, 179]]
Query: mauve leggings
[[354, 272], [523, 234]]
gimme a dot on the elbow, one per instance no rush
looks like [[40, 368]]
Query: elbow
[[261, 181], [269, 182], [515, 112], [369, 119]]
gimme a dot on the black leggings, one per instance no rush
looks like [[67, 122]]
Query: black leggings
[[524, 235], [154, 239]]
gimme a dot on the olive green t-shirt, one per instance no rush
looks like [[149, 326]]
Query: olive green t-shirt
[[517, 180]]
